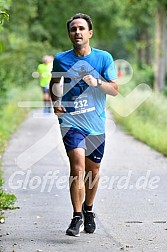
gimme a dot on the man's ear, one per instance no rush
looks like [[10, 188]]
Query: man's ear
[[90, 33]]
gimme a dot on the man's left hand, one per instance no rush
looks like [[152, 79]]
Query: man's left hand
[[90, 80]]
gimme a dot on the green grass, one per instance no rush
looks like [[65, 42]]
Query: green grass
[[148, 122], [7, 201], [11, 116]]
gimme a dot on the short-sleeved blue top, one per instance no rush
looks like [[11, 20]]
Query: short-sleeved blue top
[[85, 105]]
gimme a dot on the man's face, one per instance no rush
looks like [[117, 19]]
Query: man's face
[[79, 33]]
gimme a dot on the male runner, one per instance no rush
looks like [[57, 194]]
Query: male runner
[[89, 75]]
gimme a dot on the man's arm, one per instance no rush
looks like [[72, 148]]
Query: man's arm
[[56, 93], [108, 87]]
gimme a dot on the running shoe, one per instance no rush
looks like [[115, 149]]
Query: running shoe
[[76, 226], [89, 223]]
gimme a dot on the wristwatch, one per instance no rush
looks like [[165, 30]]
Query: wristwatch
[[56, 103], [99, 82]]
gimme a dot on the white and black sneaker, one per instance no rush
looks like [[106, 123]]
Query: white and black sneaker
[[76, 226]]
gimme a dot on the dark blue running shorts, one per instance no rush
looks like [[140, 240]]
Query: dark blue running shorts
[[78, 138], [45, 90]]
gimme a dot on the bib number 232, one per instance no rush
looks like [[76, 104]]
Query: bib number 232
[[80, 104], [83, 105]]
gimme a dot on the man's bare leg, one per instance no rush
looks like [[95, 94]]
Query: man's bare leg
[[91, 185], [92, 179], [77, 165]]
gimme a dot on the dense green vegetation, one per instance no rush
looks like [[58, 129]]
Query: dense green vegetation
[[148, 122], [131, 30], [126, 29]]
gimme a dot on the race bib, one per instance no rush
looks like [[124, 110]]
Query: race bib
[[83, 104]]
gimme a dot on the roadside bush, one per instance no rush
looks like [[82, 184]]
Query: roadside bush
[[17, 65], [146, 123]]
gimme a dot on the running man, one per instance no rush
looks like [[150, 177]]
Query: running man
[[89, 74]]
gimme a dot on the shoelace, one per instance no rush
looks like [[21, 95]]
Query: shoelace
[[90, 216], [74, 221]]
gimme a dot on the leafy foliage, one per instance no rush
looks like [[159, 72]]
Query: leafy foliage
[[4, 6], [3, 16], [146, 123], [42, 24], [7, 201]]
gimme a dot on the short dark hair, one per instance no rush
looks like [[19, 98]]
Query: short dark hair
[[83, 16]]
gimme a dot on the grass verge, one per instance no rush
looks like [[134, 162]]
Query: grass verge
[[11, 116], [148, 122]]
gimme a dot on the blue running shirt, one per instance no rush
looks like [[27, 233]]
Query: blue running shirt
[[85, 105]]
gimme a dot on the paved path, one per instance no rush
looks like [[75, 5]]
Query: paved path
[[131, 203]]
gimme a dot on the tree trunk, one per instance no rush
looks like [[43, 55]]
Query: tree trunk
[[140, 48], [147, 49], [160, 47]]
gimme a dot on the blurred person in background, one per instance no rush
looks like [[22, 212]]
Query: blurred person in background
[[44, 71]]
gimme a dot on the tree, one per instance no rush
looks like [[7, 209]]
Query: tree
[[141, 14], [160, 60], [124, 28]]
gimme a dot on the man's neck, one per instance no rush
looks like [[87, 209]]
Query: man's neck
[[84, 51]]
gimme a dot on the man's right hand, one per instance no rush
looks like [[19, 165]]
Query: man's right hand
[[58, 108]]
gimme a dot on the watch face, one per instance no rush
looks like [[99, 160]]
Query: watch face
[[99, 82]]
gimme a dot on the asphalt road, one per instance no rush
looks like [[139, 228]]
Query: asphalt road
[[130, 206]]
